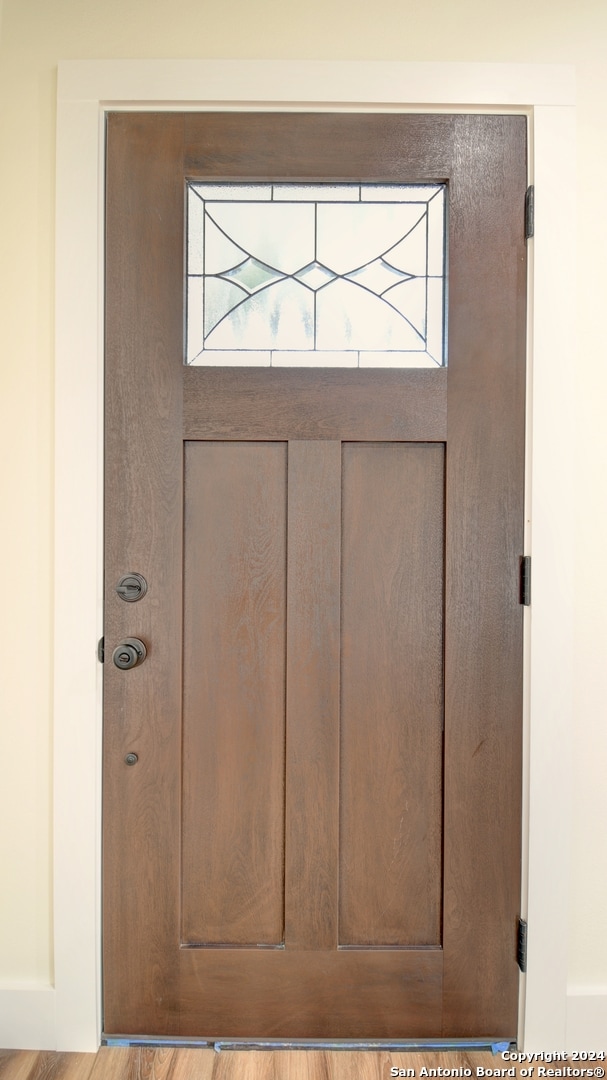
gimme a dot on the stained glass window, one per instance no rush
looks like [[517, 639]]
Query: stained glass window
[[325, 275]]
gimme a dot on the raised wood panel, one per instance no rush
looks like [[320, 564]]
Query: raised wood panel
[[391, 776], [234, 693]]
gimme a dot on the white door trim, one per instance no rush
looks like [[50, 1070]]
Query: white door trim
[[86, 90]]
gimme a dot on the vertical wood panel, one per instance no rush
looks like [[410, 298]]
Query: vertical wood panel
[[234, 693], [391, 695], [313, 694]]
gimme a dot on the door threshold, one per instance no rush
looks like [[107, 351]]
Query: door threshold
[[496, 1046]]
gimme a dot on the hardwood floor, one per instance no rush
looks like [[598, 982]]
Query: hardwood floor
[[118, 1063]]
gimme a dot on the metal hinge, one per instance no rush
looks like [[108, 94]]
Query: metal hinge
[[529, 211], [521, 945], [101, 650], [525, 584]]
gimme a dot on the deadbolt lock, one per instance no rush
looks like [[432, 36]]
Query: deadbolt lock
[[129, 653], [132, 587]]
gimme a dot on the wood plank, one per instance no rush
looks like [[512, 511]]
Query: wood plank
[[17, 1064], [135, 1063], [312, 806], [390, 880], [301, 1065], [45, 1065], [291, 403], [361, 1064], [116, 1063], [234, 693], [195, 1064], [247, 1065]]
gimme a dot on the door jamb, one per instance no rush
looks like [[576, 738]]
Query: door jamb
[[86, 90]]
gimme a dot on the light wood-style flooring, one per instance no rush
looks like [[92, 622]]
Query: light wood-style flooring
[[118, 1063]]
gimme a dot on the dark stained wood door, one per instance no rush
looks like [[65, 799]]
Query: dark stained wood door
[[321, 835]]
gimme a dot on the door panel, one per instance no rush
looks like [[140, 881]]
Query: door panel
[[301, 850], [234, 688], [390, 881]]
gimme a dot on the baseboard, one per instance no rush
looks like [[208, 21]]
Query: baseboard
[[27, 1018], [587, 1018]]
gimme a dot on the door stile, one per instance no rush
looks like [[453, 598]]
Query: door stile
[[485, 516], [143, 534], [312, 698]]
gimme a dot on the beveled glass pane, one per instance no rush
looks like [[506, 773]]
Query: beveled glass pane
[[341, 274], [349, 316], [278, 317], [349, 236], [281, 235]]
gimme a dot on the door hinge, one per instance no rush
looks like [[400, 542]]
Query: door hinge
[[521, 945], [525, 584], [529, 212], [101, 650]]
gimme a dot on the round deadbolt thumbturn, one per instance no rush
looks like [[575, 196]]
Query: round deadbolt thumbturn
[[129, 653], [132, 587]]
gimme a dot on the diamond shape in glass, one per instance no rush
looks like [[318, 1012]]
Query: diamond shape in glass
[[253, 275], [314, 275], [377, 276]]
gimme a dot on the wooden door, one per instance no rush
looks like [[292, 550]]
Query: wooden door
[[320, 837]]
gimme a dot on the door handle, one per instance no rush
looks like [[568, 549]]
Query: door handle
[[129, 653]]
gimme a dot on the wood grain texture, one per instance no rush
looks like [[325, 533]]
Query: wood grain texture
[[117, 1063], [318, 146], [234, 693], [390, 879], [285, 993], [252, 403], [484, 623], [45, 1065], [312, 810], [143, 533], [17, 1064]]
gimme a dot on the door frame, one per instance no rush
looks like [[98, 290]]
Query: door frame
[[86, 91]]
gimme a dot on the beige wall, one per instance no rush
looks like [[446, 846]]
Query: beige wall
[[34, 36]]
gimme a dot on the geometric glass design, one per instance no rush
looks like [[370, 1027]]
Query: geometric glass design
[[325, 275]]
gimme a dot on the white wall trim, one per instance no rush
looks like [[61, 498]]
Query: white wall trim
[[85, 90], [587, 1020], [27, 1018]]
